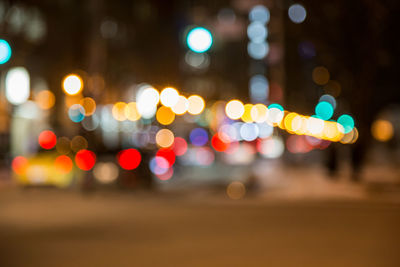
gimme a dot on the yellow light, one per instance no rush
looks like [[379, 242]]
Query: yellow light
[[164, 138], [196, 104], [131, 112], [299, 125], [288, 121], [382, 130], [259, 113], [355, 135], [296, 123], [45, 99], [169, 97], [350, 137], [234, 109], [181, 106], [332, 131], [89, 105], [165, 116], [118, 111], [246, 116], [320, 75], [72, 84]]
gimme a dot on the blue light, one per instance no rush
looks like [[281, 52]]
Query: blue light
[[328, 98], [76, 113], [324, 110], [199, 40], [5, 51], [275, 105], [347, 122], [198, 137]]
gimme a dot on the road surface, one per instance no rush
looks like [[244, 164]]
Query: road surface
[[48, 227]]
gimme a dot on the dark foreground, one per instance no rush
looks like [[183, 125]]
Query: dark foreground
[[52, 228]]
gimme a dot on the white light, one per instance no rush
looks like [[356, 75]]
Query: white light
[[259, 88], [272, 147], [199, 40], [257, 32], [265, 130], [169, 97], [17, 85], [259, 13], [297, 13], [249, 131], [258, 50], [147, 100], [315, 125], [274, 116], [196, 60]]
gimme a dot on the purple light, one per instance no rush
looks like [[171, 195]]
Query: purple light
[[198, 137]]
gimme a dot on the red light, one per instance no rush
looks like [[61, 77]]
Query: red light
[[47, 139], [19, 165], [218, 144], [85, 159], [180, 146], [233, 147], [166, 176], [129, 159], [167, 154], [63, 164]]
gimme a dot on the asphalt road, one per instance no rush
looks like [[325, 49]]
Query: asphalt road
[[57, 228]]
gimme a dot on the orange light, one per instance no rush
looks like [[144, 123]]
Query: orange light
[[63, 164], [19, 165], [165, 115]]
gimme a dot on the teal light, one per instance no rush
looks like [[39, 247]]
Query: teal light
[[5, 51], [199, 40], [347, 122], [277, 106], [324, 110]]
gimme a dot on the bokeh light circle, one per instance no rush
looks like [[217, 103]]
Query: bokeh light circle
[[382, 130], [47, 139], [324, 110], [181, 106], [165, 138], [19, 164], [72, 84], [45, 99], [105, 172], [196, 104], [198, 137], [347, 122], [199, 40], [63, 164], [76, 113], [234, 109], [180, 146], [297, 13], [167, 154], [5, 51], [129, 159], [85, 159], [165, 115], [169, 97]]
